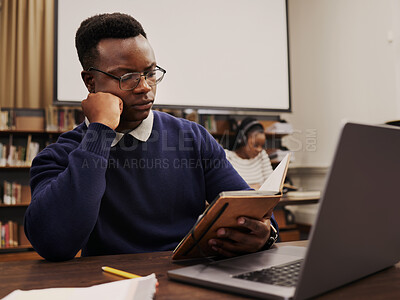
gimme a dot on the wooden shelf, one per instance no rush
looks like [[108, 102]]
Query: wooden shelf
[[15, 205], [15, 167], [16, 249], [286, 201], [30, 132], [27, 134]]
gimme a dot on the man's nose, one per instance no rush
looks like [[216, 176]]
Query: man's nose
[[143, 86]]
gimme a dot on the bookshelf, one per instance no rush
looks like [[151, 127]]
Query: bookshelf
[[23, 133], [14, 183]]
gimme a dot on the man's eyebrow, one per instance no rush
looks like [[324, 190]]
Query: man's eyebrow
[[131, 70], [152, 66]]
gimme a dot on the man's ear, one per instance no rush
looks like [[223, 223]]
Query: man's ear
[[88, 79]]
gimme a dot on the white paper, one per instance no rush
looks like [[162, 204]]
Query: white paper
[[136, 288], [275, 180]]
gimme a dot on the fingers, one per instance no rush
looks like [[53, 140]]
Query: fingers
[[218, 246], [103, 108], [249, 237], [259, 228], [121, 106]]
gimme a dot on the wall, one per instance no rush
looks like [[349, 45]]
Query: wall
[[216, 53], [345, 66]]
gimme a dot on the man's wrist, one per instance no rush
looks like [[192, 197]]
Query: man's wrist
[[273, 236]]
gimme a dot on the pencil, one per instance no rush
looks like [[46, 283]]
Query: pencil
[[119, 272]]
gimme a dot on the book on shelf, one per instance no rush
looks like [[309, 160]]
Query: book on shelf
[[62, 118], [3, 155], [3, 120], [18, 156], [9, 234], [53, 118], [7, 119], [210, 124], [32, 149], [7, 198], [15, 193]]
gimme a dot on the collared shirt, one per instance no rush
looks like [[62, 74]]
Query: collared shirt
[[142, 132]]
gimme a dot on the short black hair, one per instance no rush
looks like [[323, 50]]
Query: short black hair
[[103, 26], [246, 127]]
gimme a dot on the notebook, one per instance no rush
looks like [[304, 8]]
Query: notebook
[[355, 233]]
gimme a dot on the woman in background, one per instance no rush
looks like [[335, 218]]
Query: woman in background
[[248, 155]]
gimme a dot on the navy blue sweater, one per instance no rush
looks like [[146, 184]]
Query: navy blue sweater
[[130, 198]]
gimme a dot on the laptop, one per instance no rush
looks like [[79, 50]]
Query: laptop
[[356, 232]]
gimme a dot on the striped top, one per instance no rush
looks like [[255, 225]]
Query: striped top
[[255, 170]]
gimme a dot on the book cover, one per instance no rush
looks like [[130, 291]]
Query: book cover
[[226, 208]]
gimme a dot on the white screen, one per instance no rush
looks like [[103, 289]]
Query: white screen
[[217, 53]]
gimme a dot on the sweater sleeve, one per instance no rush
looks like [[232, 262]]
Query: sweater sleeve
[[67, 184]]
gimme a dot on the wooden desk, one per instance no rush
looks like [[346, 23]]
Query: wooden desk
[[86, 271], [290, 231], [296, 201]]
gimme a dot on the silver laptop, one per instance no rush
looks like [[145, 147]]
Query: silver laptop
[[356, 232]]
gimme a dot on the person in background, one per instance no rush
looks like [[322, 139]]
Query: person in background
[[248, 155], [130, 179]]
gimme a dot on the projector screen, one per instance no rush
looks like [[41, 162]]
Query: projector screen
[[219, 54]]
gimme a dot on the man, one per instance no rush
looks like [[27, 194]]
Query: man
[[128, 179]]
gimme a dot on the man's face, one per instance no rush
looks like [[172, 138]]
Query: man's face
[[121, 56]]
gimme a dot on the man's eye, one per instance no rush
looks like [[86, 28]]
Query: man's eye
[[151, 74], [128, 77]]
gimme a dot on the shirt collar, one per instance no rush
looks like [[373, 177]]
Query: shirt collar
[[142, 132]]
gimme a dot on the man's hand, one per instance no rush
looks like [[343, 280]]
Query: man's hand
[[103, 108], [251, 238]]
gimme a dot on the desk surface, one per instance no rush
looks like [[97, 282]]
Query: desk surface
[[86, 271], [297, 201]]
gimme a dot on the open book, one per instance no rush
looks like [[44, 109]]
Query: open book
[[226, 208]]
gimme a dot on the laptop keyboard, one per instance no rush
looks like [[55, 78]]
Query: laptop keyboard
[[282, 275]]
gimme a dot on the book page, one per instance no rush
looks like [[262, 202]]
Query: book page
[[132, 289], [275, 181]]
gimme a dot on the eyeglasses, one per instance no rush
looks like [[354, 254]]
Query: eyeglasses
[[130, 81]]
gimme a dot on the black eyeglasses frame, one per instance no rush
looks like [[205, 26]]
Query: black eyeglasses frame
[[141, 74]]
